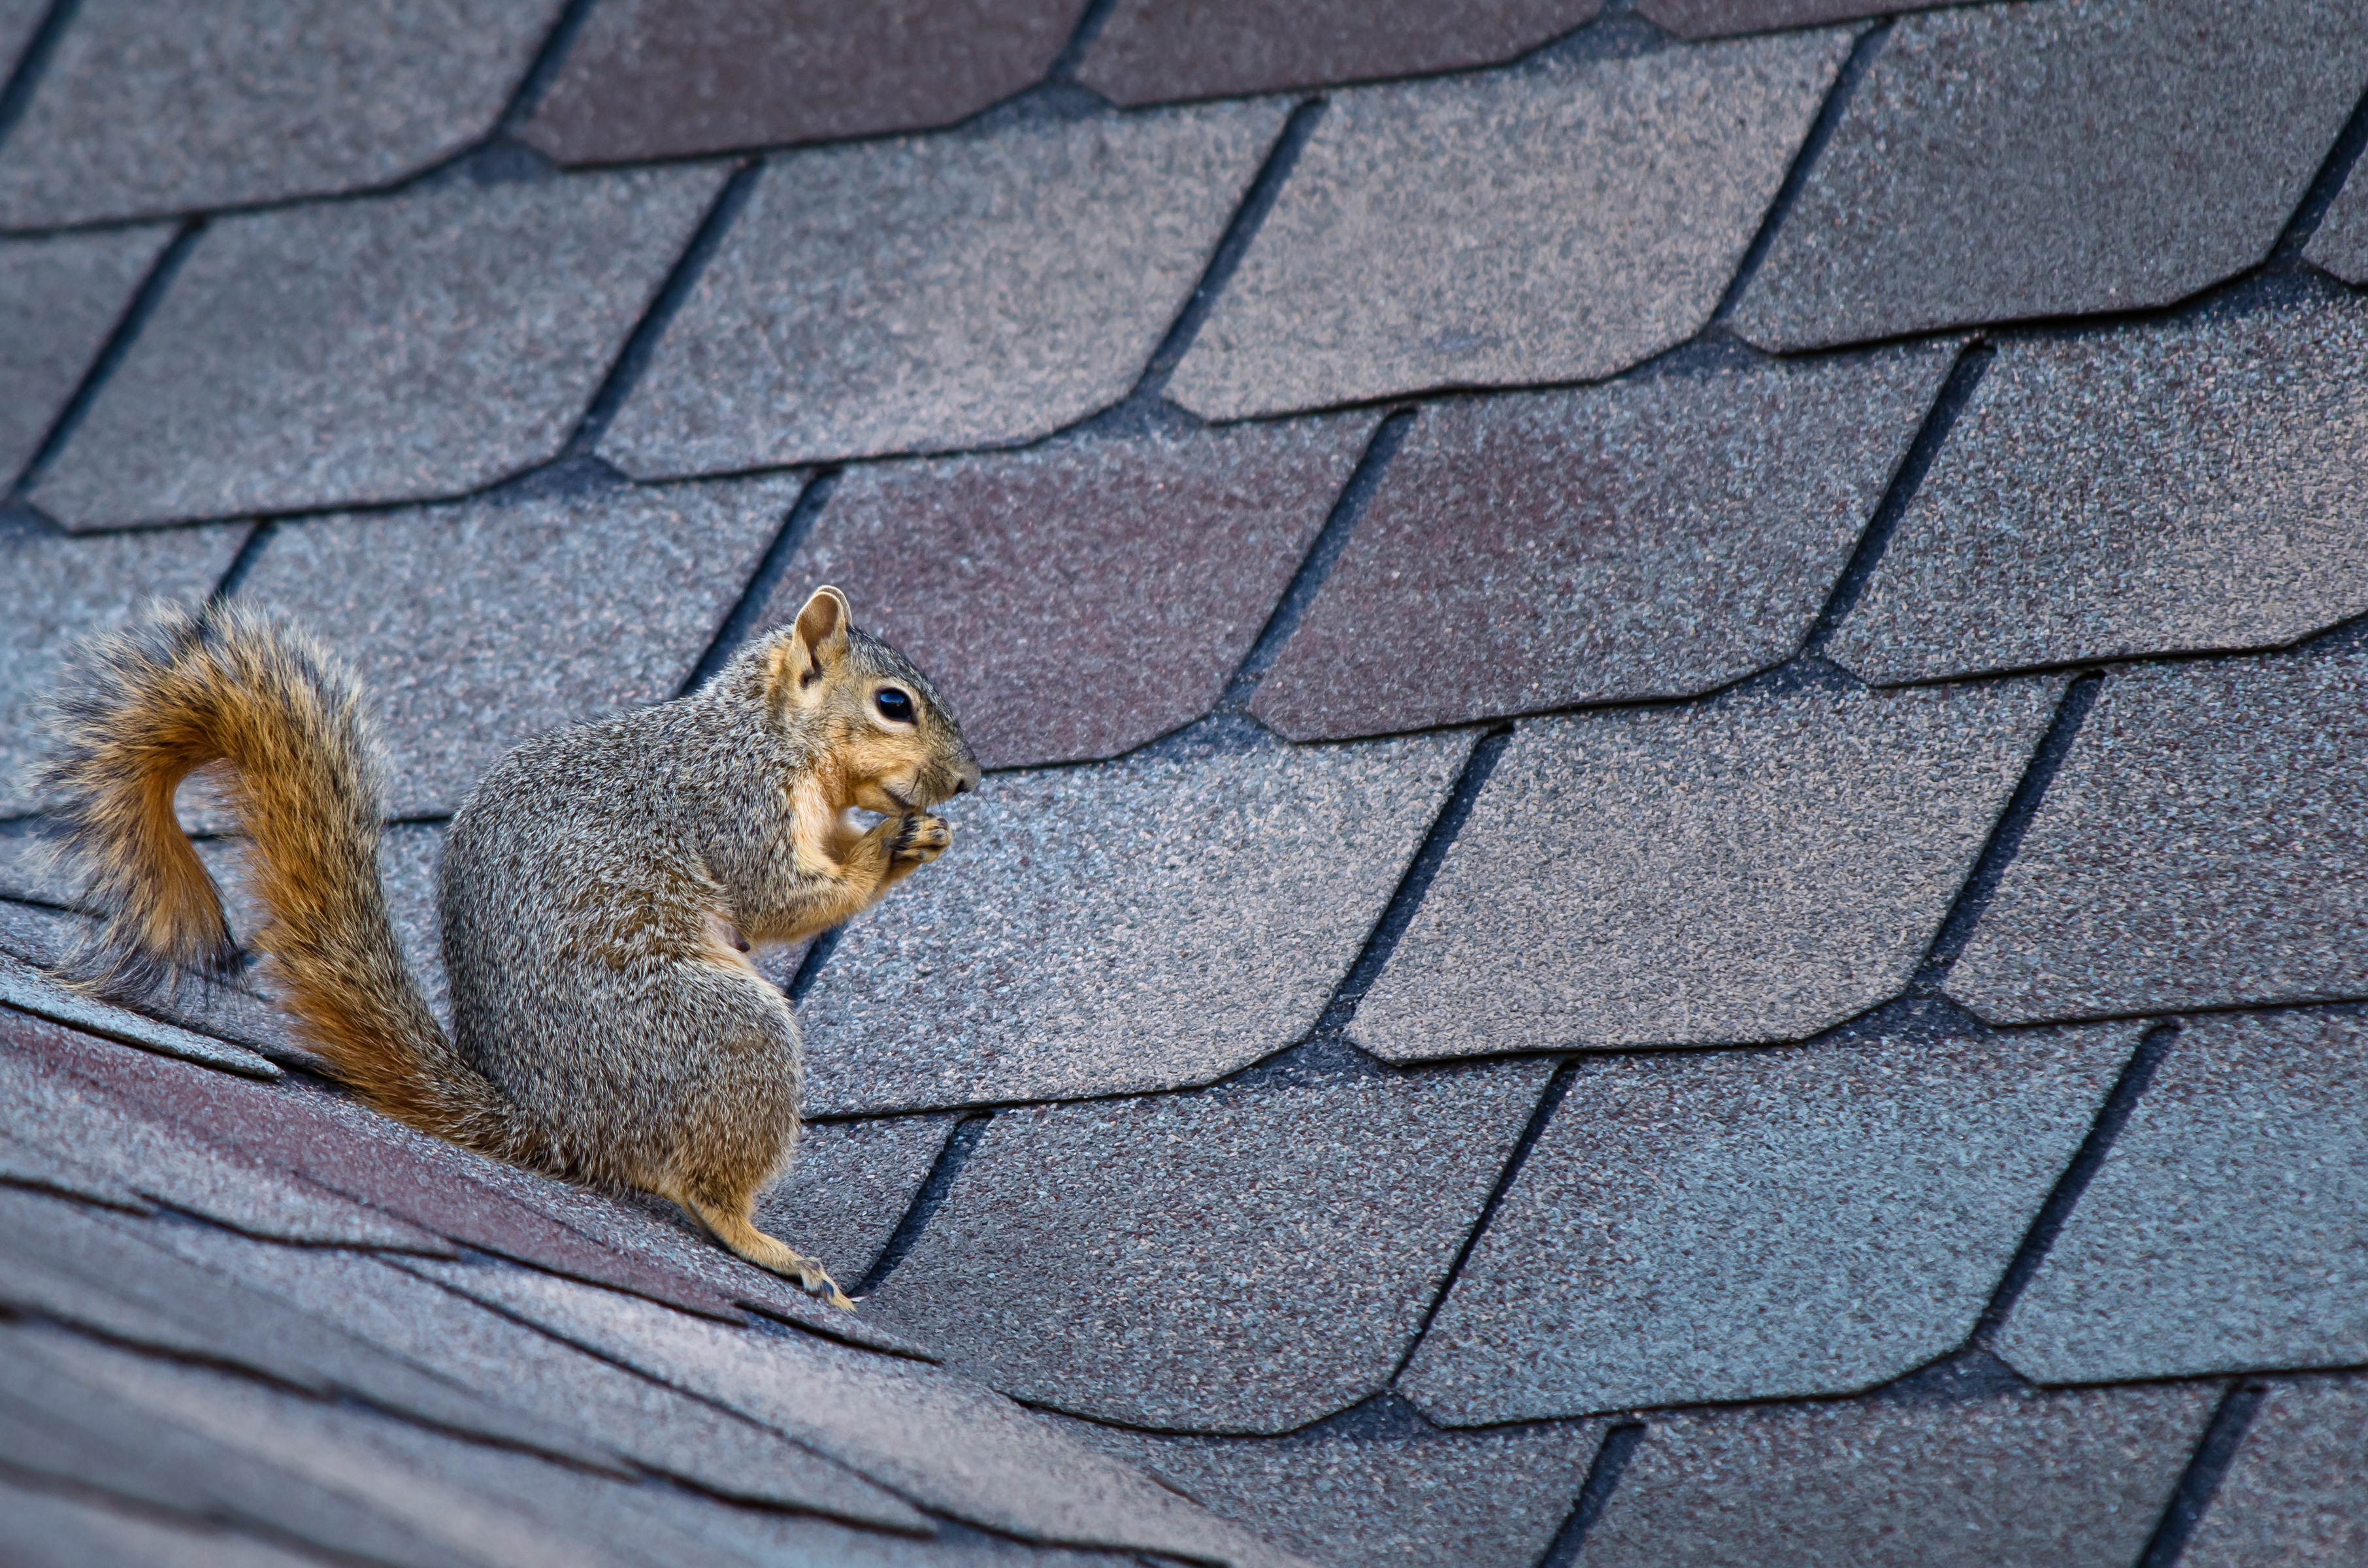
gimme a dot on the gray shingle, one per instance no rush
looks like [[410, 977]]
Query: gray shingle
[[396, 349], [1379, 1487], [29, 990], [2162, 489], [1155, 50], [2205, 842], [933, 294], [2222, 1232], [596, 1404], [2001, 162], [2340, 241], [1726, 18], [47, 1529], [20, 19], [1655, 538], [53, 590], [1142, 925], [2072, 1480], [1086, 596], [850, 1187], [479, 625], [937, 1438], [1748, 870], [1555, 223], [2295, 1495], [1124, 1259], [1759, 1225], [659, 78], [59, 300], [145, 111]]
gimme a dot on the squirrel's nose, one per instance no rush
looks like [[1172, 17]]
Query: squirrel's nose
[[962, 786]]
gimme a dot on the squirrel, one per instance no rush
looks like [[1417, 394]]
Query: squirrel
[[600, 890]]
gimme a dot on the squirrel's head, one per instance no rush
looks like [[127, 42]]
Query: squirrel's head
[[889, 737]]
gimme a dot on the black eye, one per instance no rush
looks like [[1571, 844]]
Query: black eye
[[894, 706]]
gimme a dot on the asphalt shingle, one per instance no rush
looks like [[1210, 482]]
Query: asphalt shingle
[[478, 625], [1726, 18], [932, 293], [2295, 1495], [2002, 162], [660, 78], [1657, 538], [581, 1400], [1156, 51], [29, 990], [2075, 1480], [142, 110], [1118, 1259], [1555, 223], [2202, 846], [1142, 925], [59, 300], [1378, 1486], [54, 590], [2340, 241], [849, 1187], [940, 1441], [2164, 489], [1748, 870], [2222, 1232], [401, 348], [20, 19], [1758, 1225], [51, 1530], [1087, 596]]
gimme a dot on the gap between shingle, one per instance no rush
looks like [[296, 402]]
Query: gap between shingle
[[2200, 1483], [771, 567], [2136, 1075], [943, 1171], [2325, 185], [1821, 131], [250, 550], [1071, 57], [634, 358], [2006, 835], [25, 74], [1956, 392], [144, 300], [544, 70], [1594, 1495]]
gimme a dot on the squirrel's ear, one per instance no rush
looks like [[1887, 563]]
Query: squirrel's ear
[[818, 643]]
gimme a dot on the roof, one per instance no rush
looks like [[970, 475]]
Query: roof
[[1672, 869]]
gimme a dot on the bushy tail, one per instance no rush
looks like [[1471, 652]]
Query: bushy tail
[[182, 690]]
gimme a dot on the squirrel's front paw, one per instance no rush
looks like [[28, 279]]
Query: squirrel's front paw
[[920, 838]]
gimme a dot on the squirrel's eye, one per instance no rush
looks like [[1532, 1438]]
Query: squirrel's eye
[[894, 705]]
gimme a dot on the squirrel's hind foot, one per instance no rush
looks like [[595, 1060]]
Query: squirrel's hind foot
[[735, 1230]]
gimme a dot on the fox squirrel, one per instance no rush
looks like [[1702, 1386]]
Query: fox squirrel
[[601, 888]]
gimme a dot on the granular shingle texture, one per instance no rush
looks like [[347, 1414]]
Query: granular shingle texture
[[147, 110], [1754, 868], [416, 346], [933, 294], [1758, 1225], [944, 1443], [1724, 19], [1121, 1259], [1377, 1485], [1652, 538], [2110, 155], [478, 625], [2191, 486], [1553, 224], [2075, 1480], [850, 1185], [1142, 925], [2340, 241], [1152, 51], [2203, 846], [2223, 1231], [2297, 1495], [1083, 598], [54, 590], [59, 300], [659, 78]]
